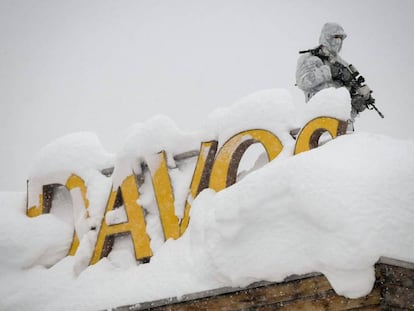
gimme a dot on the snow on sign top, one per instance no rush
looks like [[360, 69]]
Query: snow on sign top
[[335, 210]]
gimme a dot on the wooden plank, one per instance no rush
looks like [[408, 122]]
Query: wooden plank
[[396, 296], [393, 275], [393, 291], [257, 296], [329, 301], [397, 285], [308, 294]]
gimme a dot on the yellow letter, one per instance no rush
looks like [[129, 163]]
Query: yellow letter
[[309, 135], [135, 224], [164, 192], [164, 195], [201, 177], [224, 172], [72, 183], [45, 203]]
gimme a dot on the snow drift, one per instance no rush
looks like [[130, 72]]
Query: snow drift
[[336, 209]]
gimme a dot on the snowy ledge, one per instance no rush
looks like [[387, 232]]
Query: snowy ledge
[[399, 275], [336, 210]]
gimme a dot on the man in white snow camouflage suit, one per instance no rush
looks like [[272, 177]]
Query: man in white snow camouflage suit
[[314, 74]]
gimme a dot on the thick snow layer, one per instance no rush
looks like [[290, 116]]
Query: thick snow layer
[[270, 109], [335, 209], [75, 152], [143, 139], [330, 102]]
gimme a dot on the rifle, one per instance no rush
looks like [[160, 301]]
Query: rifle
[[348, 76]]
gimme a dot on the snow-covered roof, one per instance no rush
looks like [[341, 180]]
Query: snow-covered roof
[[335, 209]]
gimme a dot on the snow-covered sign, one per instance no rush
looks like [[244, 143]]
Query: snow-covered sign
[[261, 209], [214, 169]]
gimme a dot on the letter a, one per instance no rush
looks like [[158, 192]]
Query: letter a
[[134, 226]]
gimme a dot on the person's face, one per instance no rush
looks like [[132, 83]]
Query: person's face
[[336, 43]]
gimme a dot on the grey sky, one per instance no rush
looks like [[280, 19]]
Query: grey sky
[[101, 66]]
